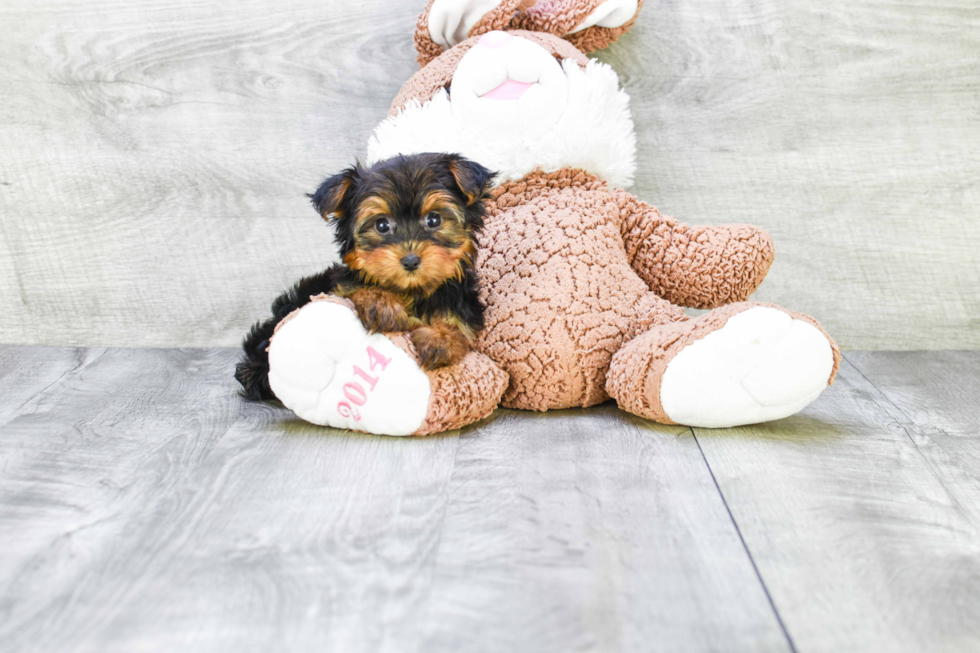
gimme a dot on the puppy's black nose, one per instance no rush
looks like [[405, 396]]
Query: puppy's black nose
[[411, 262]]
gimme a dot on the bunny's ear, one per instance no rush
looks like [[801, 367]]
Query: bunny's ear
[[589, 25], [445, 23], [329, 198]]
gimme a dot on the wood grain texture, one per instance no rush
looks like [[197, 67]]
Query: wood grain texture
[[90, 473], [154, 510], [590, 530], [154, 157], [145, 506], [938, 391], [865, 532], [28, 372]]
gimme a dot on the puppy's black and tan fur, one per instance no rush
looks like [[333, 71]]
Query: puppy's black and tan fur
[[407, 230]]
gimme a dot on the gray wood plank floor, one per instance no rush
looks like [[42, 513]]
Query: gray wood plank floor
[[145, 506]]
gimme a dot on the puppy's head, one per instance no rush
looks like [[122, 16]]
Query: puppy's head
[[408, 223]]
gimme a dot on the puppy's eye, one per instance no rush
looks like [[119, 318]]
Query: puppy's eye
[[433, 220], [382, 225]]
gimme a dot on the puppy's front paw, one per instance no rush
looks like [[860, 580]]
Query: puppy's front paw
[[439, 345], [380, 311]]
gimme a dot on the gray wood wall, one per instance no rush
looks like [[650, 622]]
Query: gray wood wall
[[154, 156]]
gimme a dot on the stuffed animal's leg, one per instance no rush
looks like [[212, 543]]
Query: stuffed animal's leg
[[652, 311], [325, 367], [700, 267], [740, 364]]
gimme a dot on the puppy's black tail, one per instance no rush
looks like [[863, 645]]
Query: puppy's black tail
[[252, 370]]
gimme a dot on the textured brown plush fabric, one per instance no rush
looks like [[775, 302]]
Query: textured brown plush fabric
[[427, 48], [701, 267], [560, 291], [460, 394], [555, 17], [501, 18], [559, 17], [463, 393], [425, 83], [498, 18], [637, 369]]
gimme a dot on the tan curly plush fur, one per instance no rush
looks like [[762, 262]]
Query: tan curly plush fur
[[560, 17], [462, 393], [590, 250], [584, 283]]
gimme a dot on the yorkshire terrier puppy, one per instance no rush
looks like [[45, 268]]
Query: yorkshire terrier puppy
[[407, 230]]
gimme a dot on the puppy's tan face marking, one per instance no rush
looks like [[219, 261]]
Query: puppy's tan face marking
[[371, 210], [371, 207], [437, 264], [441, 201], [396, 220], [451, 231]]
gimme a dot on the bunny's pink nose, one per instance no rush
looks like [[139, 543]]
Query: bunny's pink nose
[[494, 39]]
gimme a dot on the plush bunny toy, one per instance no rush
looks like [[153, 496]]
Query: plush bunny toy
[[583, 282]]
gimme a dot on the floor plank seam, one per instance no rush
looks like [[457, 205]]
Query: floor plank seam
[[745, 547], [909, 421], [905, 429]]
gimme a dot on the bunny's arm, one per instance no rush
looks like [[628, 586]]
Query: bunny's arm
[[699, 267]]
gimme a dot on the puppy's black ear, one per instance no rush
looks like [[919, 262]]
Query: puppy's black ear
[[470, 176], [328, 200]]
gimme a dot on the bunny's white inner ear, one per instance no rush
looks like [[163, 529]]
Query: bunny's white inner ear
[[614, 13], [450, 21]]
